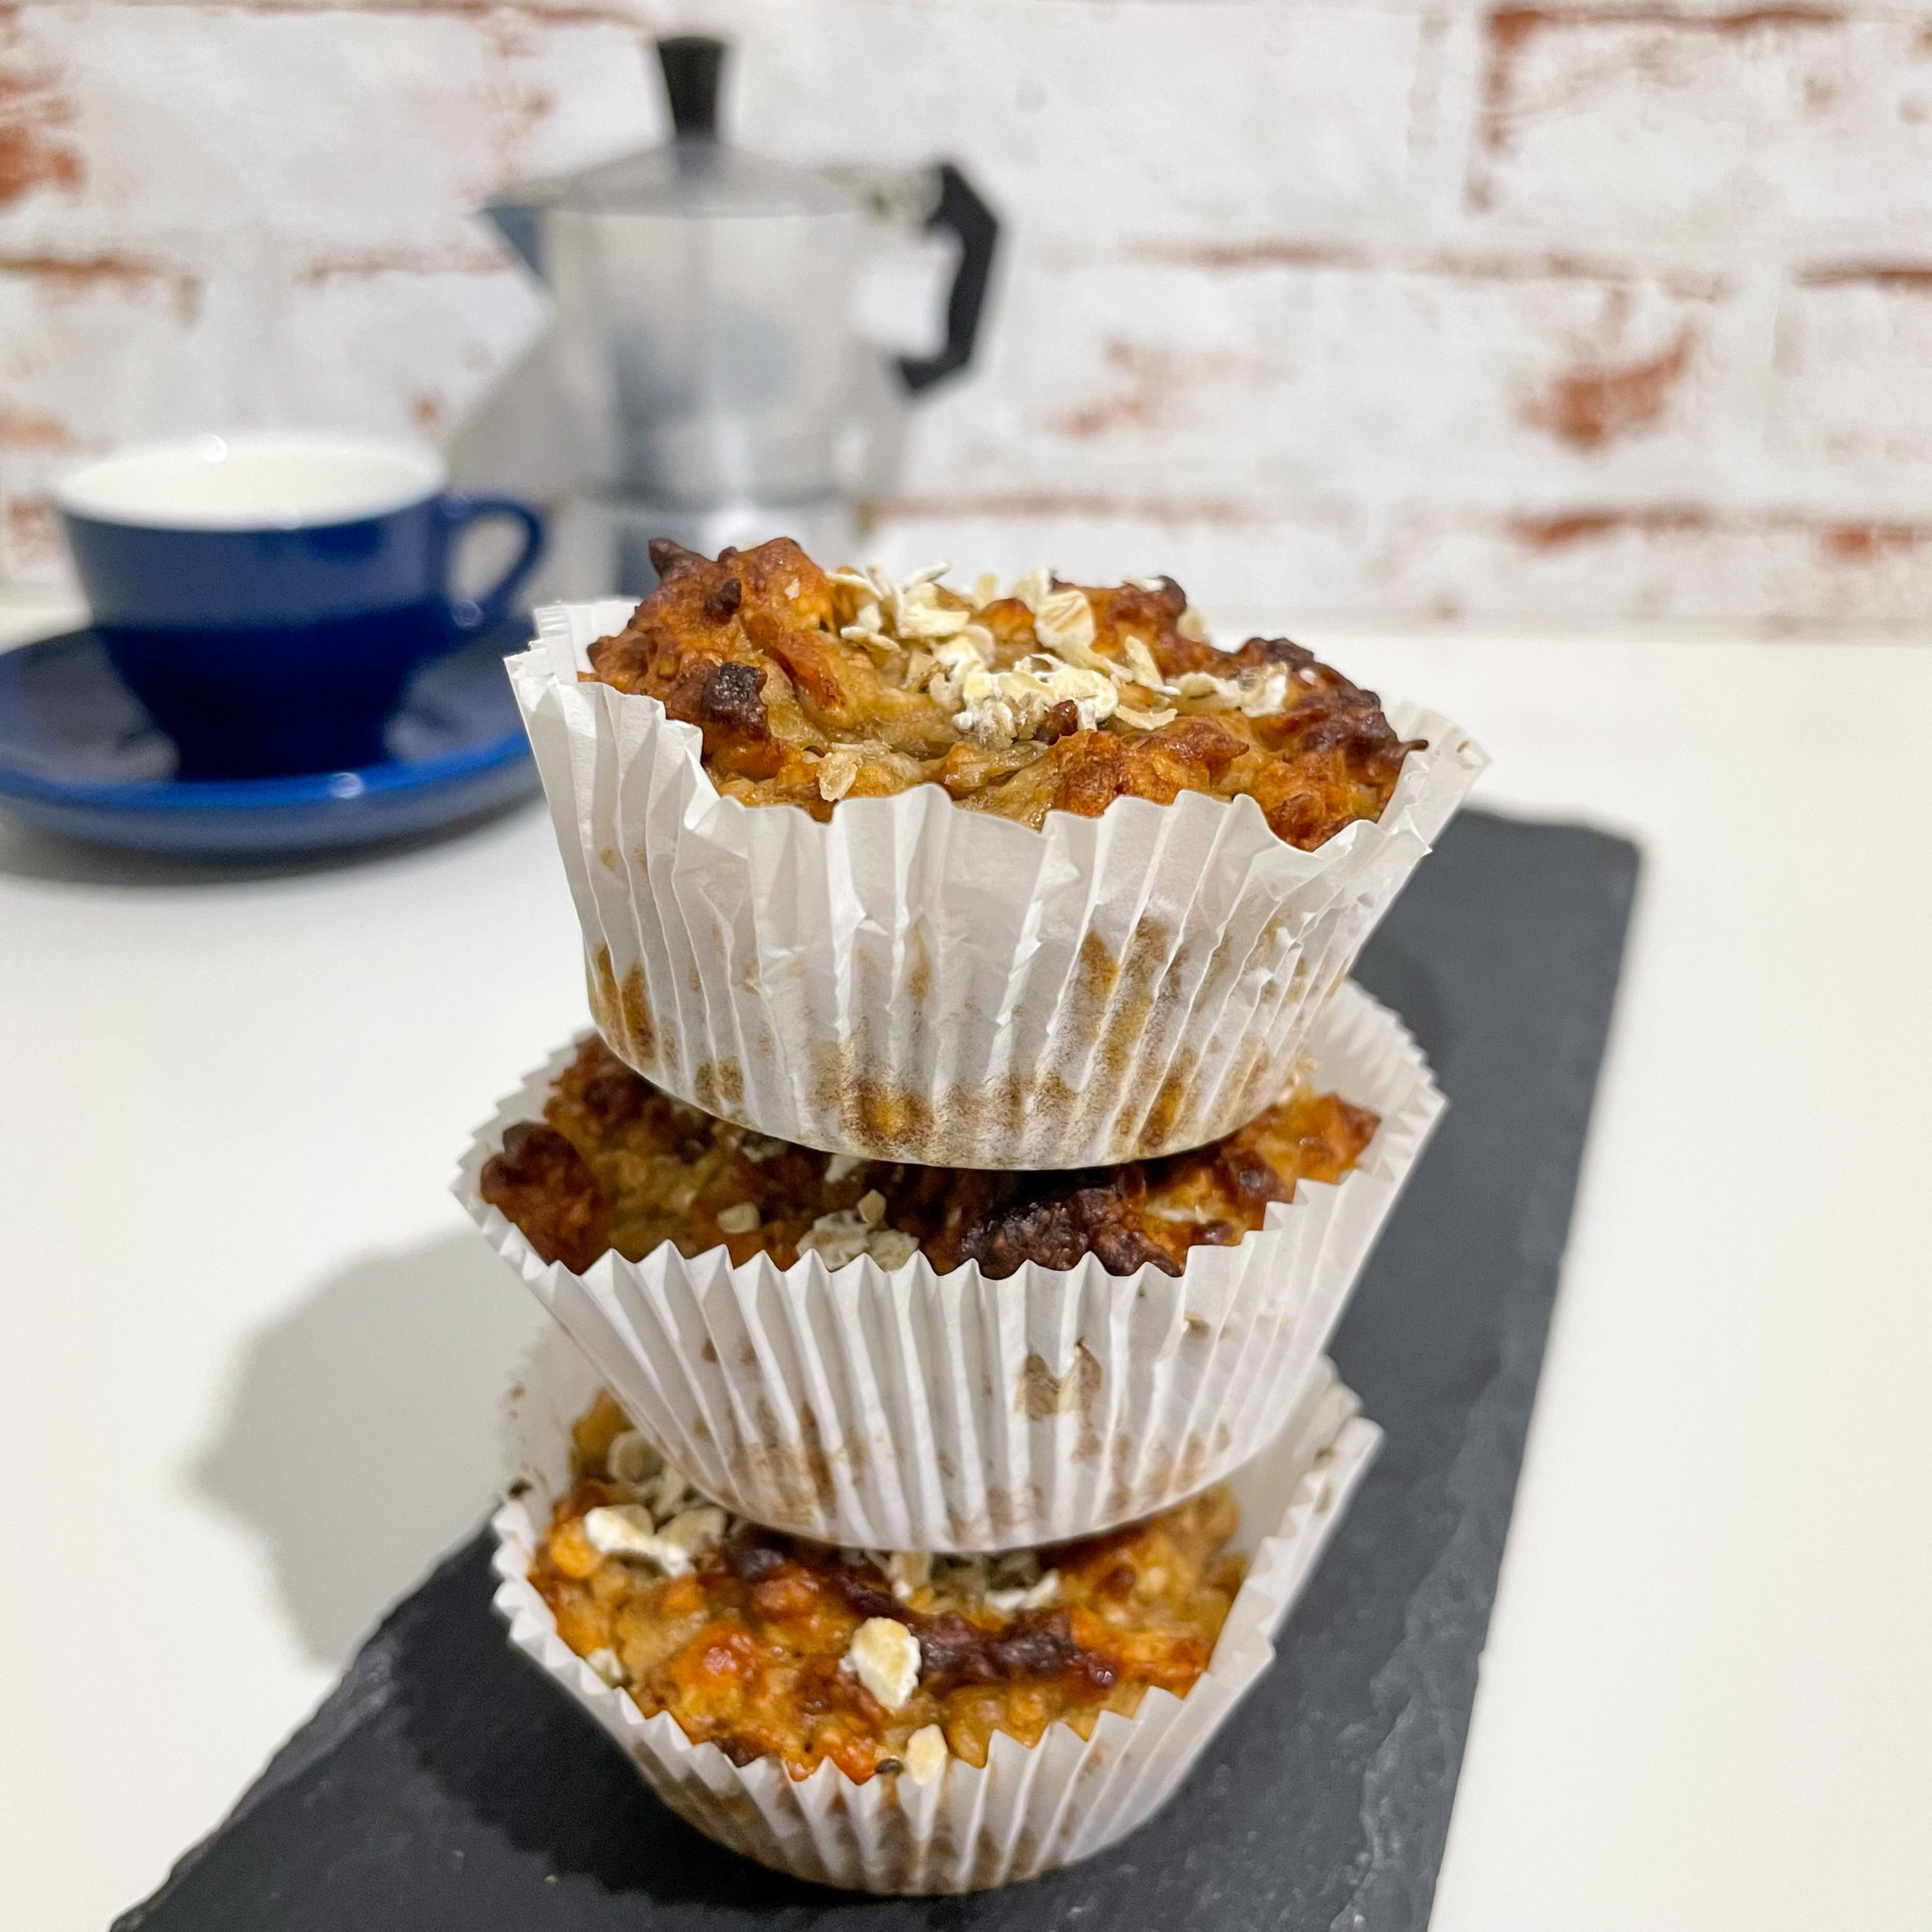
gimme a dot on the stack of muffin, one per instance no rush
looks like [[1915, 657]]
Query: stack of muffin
[[980, 1142]]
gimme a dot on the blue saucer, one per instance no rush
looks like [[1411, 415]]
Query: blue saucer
[[78, 755]]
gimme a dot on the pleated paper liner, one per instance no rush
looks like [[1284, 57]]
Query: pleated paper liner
[[913, 1411], [914, 981], [1028, 1810]]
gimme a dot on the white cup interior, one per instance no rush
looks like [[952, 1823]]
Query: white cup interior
[[273, 480]]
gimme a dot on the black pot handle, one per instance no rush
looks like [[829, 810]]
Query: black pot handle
[[960, 210], [693, 65]]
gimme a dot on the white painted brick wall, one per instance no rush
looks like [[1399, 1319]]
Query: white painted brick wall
[[1400, 310]]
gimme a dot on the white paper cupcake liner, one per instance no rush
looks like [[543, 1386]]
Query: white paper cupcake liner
[[913, 1411], [914, 981], [1028, 1810]]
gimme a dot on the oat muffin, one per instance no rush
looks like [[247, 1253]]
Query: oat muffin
[[809, 687], [616, 1163], [764, 1645]]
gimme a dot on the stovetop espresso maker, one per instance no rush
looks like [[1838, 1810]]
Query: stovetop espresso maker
[[704, 338]]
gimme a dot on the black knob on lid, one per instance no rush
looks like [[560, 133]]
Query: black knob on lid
[[693, 64]]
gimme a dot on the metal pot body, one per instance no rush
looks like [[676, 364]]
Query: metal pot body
[[709, 359]]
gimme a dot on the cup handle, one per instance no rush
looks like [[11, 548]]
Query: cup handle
[[466, 615], [960, 210]]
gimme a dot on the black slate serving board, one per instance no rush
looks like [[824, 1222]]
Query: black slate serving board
[[446, 1784]]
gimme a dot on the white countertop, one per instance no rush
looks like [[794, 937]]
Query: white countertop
[[255, 1350]]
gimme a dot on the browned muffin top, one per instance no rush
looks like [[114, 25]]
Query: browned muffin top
[[809, 688], [620, 1164], [763, 1644]]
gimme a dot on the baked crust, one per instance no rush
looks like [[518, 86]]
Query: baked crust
[[617, 1163], [748, 1649], [809, 687]]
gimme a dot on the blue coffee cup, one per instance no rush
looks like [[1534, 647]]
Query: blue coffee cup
[[269, 597]]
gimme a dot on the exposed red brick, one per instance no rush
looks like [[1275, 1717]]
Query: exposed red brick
[[1545, 265], [1558, 533], [365, 265], [1510, 29], [1595, 403], [21, 430], [31, 529], [65, 278], [1871, 542], [34, 113], [1506, 35], [1840, 543], [1268, 252], [1560, 267], [1909, 278], [74, 276], [1152, 374]]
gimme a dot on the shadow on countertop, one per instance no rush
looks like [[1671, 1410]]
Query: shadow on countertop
[[362, 1430]]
